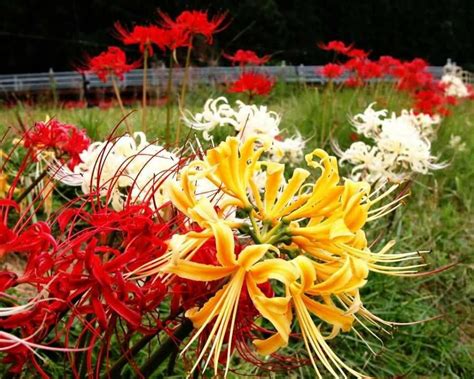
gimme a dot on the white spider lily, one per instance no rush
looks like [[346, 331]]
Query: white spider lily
[[216, 113], [256, 120], [401, 146], [368, 161], [403, 141], [246, 120], [290, 150], [454, 86], [368, 123], [425, 122], [110, 167]]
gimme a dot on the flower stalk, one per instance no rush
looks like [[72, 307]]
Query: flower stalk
[[145, 89], [122, 109], [169, 103], [184, 86]]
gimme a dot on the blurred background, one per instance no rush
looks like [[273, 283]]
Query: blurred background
[[38, 35]]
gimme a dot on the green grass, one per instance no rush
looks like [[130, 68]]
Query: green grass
[[437, 217]]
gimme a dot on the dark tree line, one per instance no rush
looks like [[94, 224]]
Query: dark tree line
[[36, 35]]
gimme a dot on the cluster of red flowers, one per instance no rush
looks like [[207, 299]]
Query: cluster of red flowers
[[410, 76], [110, 62], [171, 34], [66, 141], [76, 262], [247, 57], [193, 23], [332, 70], [252, 84]]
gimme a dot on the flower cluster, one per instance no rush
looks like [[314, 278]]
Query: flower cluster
[[232, 250], [194, 23], [110, 62], [429, 95], [228, 245], [247, 121], [123, 169], [400, 146], [247, 57], [65, 142], [454, 86], [299, 252], [252, 84], [171, 34], [80, 275]]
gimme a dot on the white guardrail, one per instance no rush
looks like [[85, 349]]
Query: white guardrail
[[71, 80]]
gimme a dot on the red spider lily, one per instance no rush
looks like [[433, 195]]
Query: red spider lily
[[332, 70], [413, 75], [370, 69], [431, 102], [195, 23], [357, 53], [175, 37], [388, 63], [144, 36], [63, 139], [110, 62], [245, 57], [34, 239], [364, 68], [85, 278], [252, 83], [47, 135], [337, 46], [76, 144]]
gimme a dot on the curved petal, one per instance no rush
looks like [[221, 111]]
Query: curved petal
[[270, 345], [275, 268], [274, 172], [307, 271], [252, 254], [198, 271], [224, 243], [277, 310], [298, 178]]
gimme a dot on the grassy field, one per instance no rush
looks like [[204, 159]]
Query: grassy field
[[438, 216]]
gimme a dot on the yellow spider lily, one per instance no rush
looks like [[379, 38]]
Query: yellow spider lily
[[307, 238], [221, 309]]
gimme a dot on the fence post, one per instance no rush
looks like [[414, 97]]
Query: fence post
[[53, 86]]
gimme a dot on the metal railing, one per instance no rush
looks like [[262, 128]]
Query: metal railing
[[71, 80]]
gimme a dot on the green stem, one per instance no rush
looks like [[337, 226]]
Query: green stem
[[169, 94], [255, 226], [184, 86], [127, 355], [116, 369], [145, 79], [119, 99], [32, 186], [166, 349]]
